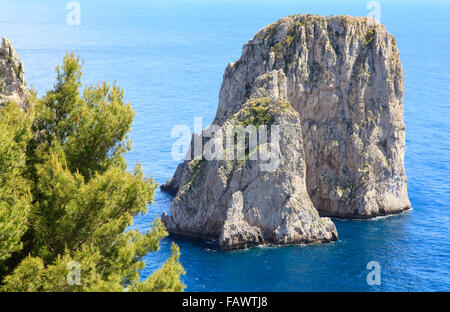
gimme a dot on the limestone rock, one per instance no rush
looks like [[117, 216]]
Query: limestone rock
[[251, 201], [344, 76], [12, 81]]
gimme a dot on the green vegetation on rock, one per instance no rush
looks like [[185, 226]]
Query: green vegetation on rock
[[196, 166], [369, 37], [281, 47], [257, 112], [267, 32], [260, 111], [10, 61]]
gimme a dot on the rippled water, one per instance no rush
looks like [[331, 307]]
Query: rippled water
[[169, 56]]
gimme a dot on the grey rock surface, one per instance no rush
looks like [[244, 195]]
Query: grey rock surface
[[343, 77], [247, 202], [12, 81]]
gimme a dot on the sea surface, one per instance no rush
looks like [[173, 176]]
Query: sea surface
[[169, 56]]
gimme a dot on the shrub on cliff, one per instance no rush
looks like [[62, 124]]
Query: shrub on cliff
[[67, 199]]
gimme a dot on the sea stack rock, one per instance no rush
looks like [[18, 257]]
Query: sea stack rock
[[339, 83], [12, 81], [257, 199]]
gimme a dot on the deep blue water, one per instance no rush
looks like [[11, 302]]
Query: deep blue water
[[169, 56]]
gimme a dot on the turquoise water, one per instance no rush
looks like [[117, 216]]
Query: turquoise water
[[169, 56]]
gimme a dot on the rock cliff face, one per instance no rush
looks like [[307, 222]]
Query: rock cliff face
[[343, 82], [12, 81], [252, 200]]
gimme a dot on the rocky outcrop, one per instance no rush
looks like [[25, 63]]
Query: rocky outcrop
[[252, 200], [12, 81], [343, 77]]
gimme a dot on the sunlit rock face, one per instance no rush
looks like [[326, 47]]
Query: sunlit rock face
[[342, 78], [12, 81]]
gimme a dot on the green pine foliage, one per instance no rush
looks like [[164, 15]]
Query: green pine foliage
[[14, 188], [67, 197]]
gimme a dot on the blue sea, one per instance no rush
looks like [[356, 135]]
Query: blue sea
[[169, 56]]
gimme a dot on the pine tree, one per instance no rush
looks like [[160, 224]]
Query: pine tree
[[14, 189], [67, 198]]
